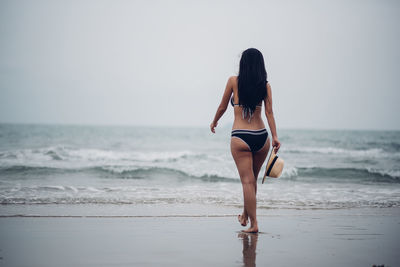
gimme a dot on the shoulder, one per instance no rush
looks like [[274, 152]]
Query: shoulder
[[232, 80]]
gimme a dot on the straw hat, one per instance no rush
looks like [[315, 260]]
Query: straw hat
[[274, 166]]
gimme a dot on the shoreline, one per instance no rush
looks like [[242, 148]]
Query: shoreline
[[188, 235], [285, 240], [171, 210]]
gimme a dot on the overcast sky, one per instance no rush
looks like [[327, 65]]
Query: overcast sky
[[331, 64]]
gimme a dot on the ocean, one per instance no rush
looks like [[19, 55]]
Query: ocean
[[71, 165]]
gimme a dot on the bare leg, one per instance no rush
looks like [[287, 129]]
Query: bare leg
[[258, 160], [244, 162], [250, 203]]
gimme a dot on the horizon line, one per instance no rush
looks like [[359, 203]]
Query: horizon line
[[187, 126]]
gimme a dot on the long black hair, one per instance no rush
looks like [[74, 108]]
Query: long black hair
[[252, 80]]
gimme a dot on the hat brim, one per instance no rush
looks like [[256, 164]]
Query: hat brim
[[269, 161], [274, 166]]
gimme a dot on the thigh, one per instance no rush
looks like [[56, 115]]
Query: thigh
[[259, 158], [244, 160]]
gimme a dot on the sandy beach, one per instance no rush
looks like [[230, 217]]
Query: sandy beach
[[180, 237]]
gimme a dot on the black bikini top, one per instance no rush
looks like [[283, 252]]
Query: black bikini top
[[233, 104]]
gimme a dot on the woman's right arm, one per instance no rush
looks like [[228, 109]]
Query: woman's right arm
[[270, 117], [223, 105]]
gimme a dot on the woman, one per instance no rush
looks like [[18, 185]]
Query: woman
[[249, 142]]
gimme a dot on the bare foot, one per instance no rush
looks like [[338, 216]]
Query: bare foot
[[252, 229], [242, 220]]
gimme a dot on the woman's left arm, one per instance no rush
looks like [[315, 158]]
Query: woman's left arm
[[223, 105]]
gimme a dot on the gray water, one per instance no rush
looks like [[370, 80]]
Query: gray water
[[50, 164]]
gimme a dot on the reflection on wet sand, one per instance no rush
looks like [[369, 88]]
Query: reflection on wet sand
[[249, 248]]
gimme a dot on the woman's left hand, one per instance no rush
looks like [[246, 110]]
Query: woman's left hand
[[212, 126]]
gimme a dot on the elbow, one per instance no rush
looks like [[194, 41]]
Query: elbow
[[269, 113], [221, 109]]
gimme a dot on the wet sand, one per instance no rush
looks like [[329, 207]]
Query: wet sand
[[361, 237]]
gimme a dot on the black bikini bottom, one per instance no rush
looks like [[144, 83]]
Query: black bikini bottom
[[255, 139]]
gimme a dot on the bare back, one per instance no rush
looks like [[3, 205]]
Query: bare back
[[256, 121]]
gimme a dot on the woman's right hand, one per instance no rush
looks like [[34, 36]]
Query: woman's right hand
[[212, 126], [276, 144]]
